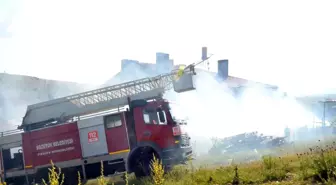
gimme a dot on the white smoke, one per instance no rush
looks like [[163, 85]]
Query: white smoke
[[213, 111], [17, 92]]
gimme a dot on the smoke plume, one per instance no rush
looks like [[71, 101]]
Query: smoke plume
[[17, 92], [214, 111]]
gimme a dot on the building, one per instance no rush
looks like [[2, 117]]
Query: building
[[163, 63], [323, 106], [133, 69], [236, 84]]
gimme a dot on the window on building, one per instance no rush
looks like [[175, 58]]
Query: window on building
[[112, 121]]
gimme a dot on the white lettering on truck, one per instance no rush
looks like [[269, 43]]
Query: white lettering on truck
[[56, 151], [54, 144]]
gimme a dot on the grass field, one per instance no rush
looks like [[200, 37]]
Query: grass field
[[313, 163]]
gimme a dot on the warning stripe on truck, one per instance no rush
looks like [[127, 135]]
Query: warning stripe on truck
[[119, 152]]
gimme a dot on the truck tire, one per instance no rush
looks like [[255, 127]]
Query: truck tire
[[142, 168], [140, 161]]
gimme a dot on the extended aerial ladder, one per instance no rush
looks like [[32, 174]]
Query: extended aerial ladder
[[66, 108]]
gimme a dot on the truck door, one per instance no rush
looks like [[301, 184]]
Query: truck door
[[150, 128], [116, 133]]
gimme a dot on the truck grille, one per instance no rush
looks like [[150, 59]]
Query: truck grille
[[185, 140]]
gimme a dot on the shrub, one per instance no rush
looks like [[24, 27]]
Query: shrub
[[2, 183], [54, 176], [79, 179], [101, 179], [157, 171], [324, 164], [305, 164], [273, 168]]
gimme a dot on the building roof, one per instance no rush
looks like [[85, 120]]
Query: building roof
[[236, 81], [233, 81], [149, 70], [320, 98], [141, 70]]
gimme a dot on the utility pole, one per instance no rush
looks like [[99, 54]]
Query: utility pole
[[323, 120]]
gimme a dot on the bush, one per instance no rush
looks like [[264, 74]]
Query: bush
[[157, 171], [273, 168], [101, 180], [54, 177], [324, 164], [2, 183]]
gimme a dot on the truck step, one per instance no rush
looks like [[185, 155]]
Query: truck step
[[116, 161]]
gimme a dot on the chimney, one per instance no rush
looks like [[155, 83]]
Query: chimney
[[223, 69], [126, 62], [163, 63], [204, 53], [161, 57]]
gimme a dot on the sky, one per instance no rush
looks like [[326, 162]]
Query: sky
[[286, 43]]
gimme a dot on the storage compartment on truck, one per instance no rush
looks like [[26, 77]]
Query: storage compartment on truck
[[13, 159], [11, 152], [92, 136], [59, 143]]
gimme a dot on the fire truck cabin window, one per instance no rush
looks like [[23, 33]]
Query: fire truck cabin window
[[146, 117], [152, 117], [161, 116], [112, 121]]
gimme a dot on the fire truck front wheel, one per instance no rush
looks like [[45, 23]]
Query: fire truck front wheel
[[141, 160]]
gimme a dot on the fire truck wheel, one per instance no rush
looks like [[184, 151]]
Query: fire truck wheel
[[141, 162], [142, 167]]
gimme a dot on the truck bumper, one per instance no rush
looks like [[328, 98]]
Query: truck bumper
[[175, 156]]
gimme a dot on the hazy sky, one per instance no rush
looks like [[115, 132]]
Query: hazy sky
[[281, 42]]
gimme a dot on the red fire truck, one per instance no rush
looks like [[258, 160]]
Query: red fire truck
[[122, 125]]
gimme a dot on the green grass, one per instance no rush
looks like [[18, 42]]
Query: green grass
[[303, 164], [306, 164]]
